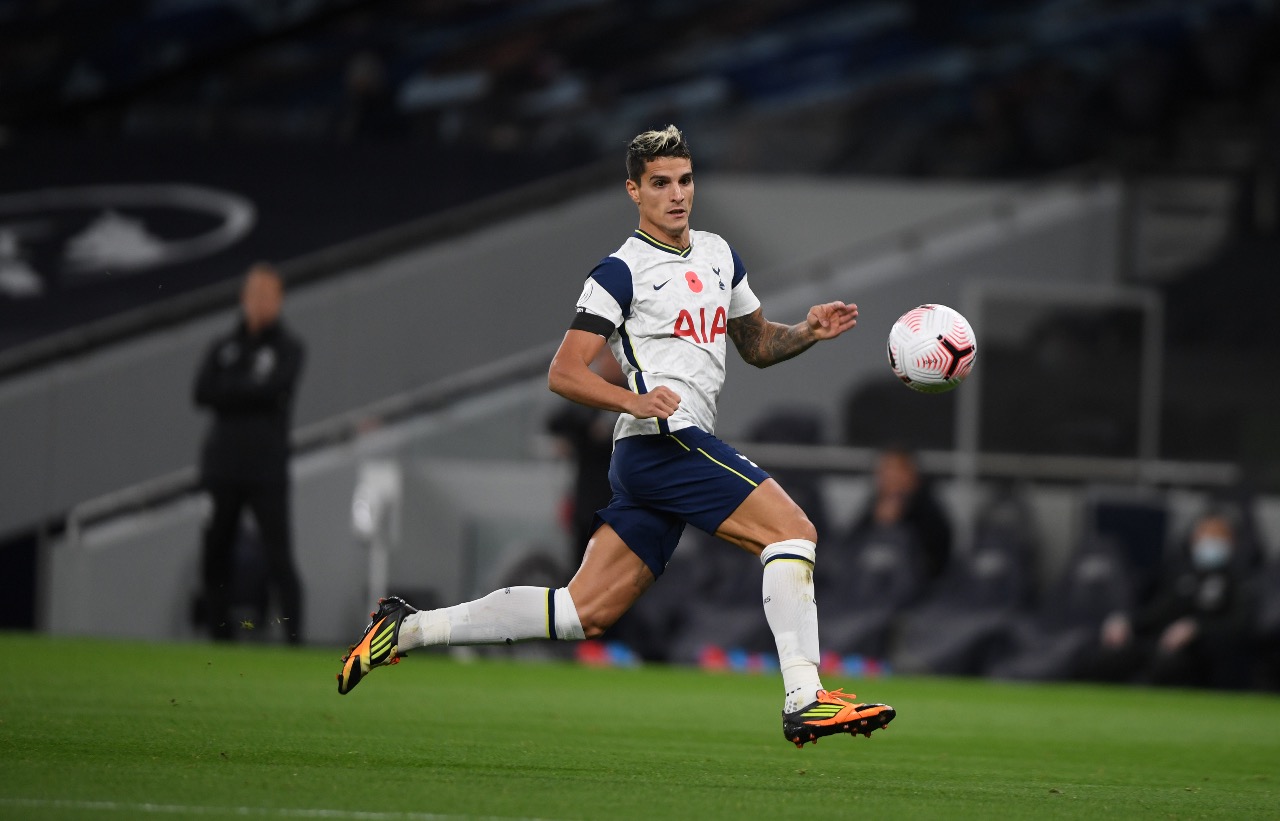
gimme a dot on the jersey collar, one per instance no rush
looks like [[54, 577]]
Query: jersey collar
[[662, 246]]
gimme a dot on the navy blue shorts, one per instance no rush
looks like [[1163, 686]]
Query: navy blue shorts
[[663, 480]]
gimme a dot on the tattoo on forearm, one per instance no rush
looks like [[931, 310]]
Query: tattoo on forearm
[[763, 343]]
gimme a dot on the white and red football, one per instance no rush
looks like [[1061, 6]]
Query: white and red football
[[932, 348]]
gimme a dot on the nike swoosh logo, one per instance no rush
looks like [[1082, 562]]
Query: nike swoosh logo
[[660, 287]]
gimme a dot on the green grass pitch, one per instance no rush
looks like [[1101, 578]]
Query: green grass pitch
[[93, 729]]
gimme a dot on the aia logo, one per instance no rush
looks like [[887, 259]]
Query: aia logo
[[697, 330]]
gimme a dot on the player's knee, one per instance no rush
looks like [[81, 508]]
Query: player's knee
[[789, 528], [595, 622], [799, 527], [781, 518], [594, 630], [590, 615], [597, 614]]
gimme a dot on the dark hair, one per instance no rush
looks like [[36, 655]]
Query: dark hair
[[651, 145]]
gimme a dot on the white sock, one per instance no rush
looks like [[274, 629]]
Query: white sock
[[504, 616], [792, 614]]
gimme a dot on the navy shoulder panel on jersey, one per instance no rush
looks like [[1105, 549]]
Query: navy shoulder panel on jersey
[[614, 276], [739, 270]]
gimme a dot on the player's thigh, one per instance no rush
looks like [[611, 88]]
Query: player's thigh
[[766, 516], [608, 582]]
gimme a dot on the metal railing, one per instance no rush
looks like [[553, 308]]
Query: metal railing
[[331, 432], [967, 462], [1004, 466]]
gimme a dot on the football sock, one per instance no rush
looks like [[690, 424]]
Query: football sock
[[504, 616], [792, 613]]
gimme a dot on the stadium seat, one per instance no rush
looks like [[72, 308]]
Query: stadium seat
[[958, 629], [1138, 523], [1052, 643], [792, 425], [863, 587], [712, 600], [1267, 630]]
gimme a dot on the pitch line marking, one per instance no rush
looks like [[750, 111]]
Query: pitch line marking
[[263, 812]]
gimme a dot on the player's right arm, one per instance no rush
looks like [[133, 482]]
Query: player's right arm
[[571, 376]]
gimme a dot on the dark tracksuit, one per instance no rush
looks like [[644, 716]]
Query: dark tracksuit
[[248, 382], [589, 433], [1223, 604]]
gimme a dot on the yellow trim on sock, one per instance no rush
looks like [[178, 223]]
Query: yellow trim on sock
[[804, 562]]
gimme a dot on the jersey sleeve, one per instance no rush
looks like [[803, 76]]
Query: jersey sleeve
[[606, 295], [742, 300]]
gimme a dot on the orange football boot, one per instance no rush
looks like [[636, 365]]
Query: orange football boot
[[379, 645], [831, 714]]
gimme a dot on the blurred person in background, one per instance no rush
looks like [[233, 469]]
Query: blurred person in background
[[366, 107], [247, 381], [666, 303], [1197, 629], [901, 497], [585, 436]]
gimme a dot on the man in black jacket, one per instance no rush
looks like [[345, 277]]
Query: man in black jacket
[[248, 380], [1197, 629], [902, 497]]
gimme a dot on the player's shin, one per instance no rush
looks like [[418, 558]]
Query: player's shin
[[792, 613], [504, 616]]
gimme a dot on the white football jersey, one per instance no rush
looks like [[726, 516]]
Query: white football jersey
[[669, 310]]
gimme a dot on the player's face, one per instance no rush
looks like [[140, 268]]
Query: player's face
[[260, 300], [896, 475], [665, 198]]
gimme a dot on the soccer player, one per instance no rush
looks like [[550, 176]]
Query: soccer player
[[665, 303]]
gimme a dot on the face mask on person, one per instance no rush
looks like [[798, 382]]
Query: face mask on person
[[1210, 553]]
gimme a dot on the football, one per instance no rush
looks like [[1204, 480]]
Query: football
[[932, 348]]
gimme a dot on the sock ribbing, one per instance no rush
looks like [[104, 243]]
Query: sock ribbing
[[566, 622]]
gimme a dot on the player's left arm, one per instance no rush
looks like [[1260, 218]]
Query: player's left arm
[[763, 343]]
